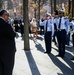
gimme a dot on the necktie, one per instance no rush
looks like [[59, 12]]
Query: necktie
[[46, 25], [59, 23]]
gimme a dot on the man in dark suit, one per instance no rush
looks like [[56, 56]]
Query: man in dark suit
[[7, 45]]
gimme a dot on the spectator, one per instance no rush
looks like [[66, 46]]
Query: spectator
[[16, 24], [34, 28], [7, 45], [22, 26]]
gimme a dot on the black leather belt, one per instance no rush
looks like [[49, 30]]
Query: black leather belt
[[61, 29]]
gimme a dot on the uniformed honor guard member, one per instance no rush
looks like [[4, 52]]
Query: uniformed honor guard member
[[61, 33], [48, 32], [72, 24]]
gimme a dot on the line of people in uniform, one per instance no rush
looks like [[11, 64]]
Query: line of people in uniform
[[57, 25]]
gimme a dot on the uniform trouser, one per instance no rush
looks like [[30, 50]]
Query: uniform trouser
[[61, 37], [67, 38], [6, 64], [48, 41], [54, 37], [73, 39]]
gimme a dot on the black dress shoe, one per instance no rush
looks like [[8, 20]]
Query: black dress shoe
[[45, 52], [59, 56], [62, 56], [48, 53], [72, 58]]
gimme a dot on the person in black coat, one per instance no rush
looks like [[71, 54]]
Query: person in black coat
[[22, 26], [16, 24], [7, 44]]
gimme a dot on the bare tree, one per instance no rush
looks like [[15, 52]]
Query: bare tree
[[1, 3], [72, 8]]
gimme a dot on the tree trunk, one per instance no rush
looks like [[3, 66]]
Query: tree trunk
[[72, 8], [35, 12], [26, 28], [54, 5], [38, 11], [1, 3], [69, 7], [51, 7]]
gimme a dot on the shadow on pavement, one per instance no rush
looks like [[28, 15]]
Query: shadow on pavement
[[39, 47], [31, 38], [40, 38], [32, 63], [54, 48], [67, 53], [59, 74], [66, 70]]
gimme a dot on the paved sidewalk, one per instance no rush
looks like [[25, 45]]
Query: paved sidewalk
[[35, 62]]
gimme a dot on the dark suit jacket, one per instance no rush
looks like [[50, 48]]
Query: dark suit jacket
[[7, 35]]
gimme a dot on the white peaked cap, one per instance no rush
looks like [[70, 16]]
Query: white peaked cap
[[61, 11], [48, 14]]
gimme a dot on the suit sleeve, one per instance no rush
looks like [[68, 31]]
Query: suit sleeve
[[10, 33]]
